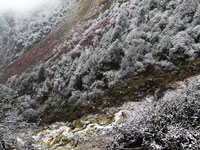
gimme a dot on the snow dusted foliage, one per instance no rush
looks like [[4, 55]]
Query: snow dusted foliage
[[125, 40], [128, 39], [30, 27], [6, 100], [5, 34], [171, 123], [138, 35]]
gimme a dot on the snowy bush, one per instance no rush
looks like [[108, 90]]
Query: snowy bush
[[171, 124]]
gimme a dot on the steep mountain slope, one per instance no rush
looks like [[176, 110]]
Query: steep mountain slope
[[50, 45], [20, 31], [107, 53]]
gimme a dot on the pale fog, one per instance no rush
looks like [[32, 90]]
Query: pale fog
[[20, 5], [23, 23]]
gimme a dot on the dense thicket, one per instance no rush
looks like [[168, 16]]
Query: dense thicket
[[126, 40], [172, 123], [139, 35]]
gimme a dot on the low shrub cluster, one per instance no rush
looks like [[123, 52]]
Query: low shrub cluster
[[167, 125]]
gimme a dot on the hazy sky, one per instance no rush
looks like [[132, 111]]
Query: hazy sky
[[19, 5]]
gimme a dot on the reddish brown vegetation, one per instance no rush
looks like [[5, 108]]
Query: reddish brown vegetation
[[87, 36], [44, 50], [35, 56]]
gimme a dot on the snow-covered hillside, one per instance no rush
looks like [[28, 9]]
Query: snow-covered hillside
[[115, 51], [20, 31]]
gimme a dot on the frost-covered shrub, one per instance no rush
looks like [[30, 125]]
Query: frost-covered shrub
[[41, 74], [7, 99], [24, 84], [4, 90], [181, 47], [20, 79], [110, 59], [170, 124], [30, 115]]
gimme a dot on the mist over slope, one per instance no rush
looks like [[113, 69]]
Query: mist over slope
[[20, 31], [108, 43]]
